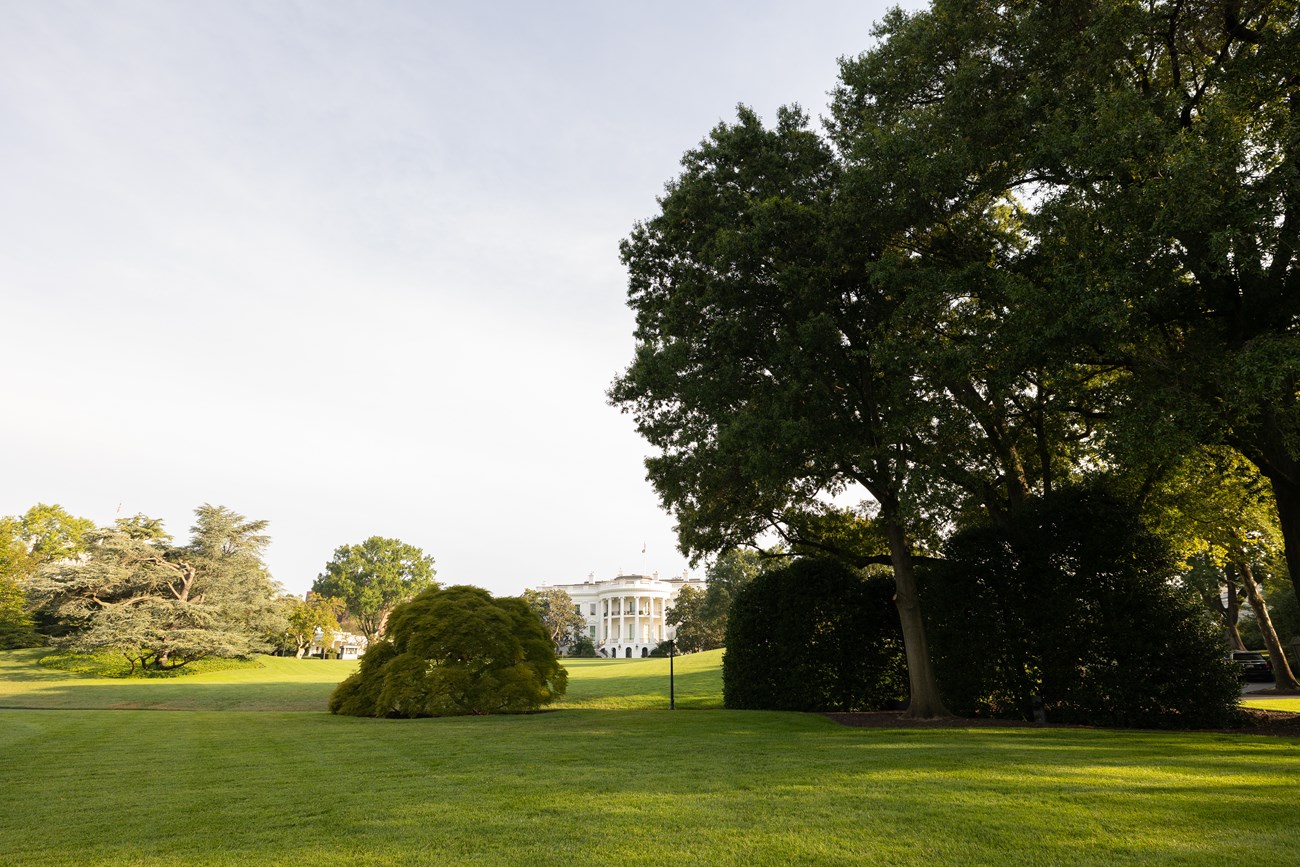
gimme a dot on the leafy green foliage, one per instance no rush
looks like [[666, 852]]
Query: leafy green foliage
[[558, 613], [44, 534], [1146, 156], [814, 635], [305, 616], [700, 616], [164, 606], [453, 652], [373, 577], [1075, 604], [52, 534], [694, 629], [1217, 504], [582, 647], [17, 628]]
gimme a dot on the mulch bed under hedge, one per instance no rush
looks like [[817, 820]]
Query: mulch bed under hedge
[[1258, 722]]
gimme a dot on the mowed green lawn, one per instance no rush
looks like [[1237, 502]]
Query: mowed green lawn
[[241, 782]]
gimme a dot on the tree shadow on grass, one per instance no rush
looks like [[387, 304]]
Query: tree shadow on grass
[[173, 695]]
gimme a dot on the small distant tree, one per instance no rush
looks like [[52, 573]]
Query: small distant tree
[[44, 534], [700, 616], [581, 646], [16, 626], [558, 613], [305, 616], [373, 577], [695, 631], [814, 635], [455, 652]]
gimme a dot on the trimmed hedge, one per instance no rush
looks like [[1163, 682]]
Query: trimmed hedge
[[814, 635], [1074, 605]]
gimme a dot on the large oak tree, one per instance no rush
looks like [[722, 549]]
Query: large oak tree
[[769, 339], [1149, 151]]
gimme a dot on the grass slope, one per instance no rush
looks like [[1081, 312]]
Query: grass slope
[[594, 785], [278, 684], [643, 683]]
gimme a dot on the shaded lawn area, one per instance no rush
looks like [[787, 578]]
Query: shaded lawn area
[[644, 787], [279, 684]]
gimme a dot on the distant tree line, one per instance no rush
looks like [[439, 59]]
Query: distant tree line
[[129, 590]]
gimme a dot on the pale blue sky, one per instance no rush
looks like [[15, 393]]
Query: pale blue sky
[[352, 267]]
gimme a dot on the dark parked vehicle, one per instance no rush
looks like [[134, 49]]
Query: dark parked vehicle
[[1253, 665]]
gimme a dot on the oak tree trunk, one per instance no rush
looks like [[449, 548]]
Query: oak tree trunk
[[1282, 675], [924, 702]]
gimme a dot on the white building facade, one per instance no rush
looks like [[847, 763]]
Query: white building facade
[[626, 616]]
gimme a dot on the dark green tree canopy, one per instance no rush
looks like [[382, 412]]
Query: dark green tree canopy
[[693, 629], [1147, 157], [373, 577], [454, 652], [1037, 241]]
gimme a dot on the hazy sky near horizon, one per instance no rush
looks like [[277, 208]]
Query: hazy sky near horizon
[[353, 267]]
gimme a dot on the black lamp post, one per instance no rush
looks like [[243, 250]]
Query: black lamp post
[[672, 695]]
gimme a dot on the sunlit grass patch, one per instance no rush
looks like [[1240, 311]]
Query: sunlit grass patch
[[1273, 703], [625, 684], [107, 664]]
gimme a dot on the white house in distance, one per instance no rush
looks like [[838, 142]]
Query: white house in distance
[[339, 645], [625, 615]]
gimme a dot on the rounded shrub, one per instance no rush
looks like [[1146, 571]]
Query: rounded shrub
[[814, 635], [1074, 608], [454, 652]]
